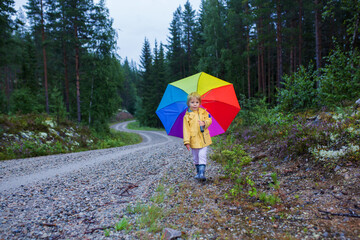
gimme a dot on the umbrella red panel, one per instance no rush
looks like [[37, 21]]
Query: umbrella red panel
[[222, 104]]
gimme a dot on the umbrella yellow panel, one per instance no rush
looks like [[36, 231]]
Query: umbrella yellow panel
[[208, 82]]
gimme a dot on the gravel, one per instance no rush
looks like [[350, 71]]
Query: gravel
[[64, 196]]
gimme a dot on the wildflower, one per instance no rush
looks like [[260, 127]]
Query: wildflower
[[42, 134], [333, 137], [50, 123]]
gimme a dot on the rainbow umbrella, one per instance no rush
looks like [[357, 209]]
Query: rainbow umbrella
[[217, 97]]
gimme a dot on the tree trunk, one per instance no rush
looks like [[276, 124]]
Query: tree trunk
[[248, 52], [260, 57], [263, 78], [318, 34], [188, 54], [91, 99], [355, 32], [77, 72], [300, 31], [7, 86], [259, 70], [279, 46], [66, 80], [292, 50], [44, 58], [66, 77], [269, 75]]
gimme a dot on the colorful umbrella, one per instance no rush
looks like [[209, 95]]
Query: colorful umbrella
[[217, 97]]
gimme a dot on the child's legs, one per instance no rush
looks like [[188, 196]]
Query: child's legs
[[195, 153], [202, 155]]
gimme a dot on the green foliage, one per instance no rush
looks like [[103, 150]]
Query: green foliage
[[24, 101], [149, 218], [159, 196], [136, 126], [257, 112], [338, 82], [57, 104], [269, 198], [233, 159], [299, 91], [340, 78], [328, 138], [107, 232], [122, 225], [138, 208]]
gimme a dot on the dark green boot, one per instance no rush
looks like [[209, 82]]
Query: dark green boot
[[197, 171], [202, 172]]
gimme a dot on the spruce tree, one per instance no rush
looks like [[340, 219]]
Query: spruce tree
[[189, 36], [145, 88], [175, 54], [215, 38]]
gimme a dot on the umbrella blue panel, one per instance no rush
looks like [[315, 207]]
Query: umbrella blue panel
[[177, 128], [172, 94], [170, 113]]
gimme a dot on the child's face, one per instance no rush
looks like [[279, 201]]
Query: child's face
[[194, 104]]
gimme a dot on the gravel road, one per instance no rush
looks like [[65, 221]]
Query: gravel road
[[63, 196]]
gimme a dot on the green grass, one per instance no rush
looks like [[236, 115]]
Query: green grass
[[32, 135], [118, 139], [136, 126]]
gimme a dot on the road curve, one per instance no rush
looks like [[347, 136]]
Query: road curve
[[24, 172], [64, 196]]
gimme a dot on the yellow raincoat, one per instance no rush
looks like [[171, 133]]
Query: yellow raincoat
[[191, 128]]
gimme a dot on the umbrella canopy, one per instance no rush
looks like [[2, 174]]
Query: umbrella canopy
[[217, 97]]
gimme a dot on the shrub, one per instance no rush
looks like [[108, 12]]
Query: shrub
[[340, 78], [24, 101], [299, 90]]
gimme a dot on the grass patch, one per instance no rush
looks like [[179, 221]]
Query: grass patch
[[136, 126], [32, 135], [118, 139]]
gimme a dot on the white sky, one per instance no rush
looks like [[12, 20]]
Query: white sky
[[136, 19]]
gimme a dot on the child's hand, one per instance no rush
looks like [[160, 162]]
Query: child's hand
[[188, 147], [202, 123]]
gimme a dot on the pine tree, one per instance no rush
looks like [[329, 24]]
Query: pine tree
[[215, 38], [235, 62], [160, 81], [145, 89], [6, 27], [175, 54], [36, 11], [128, 92], [189, 36]]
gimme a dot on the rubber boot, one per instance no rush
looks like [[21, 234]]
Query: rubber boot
[[202, 172], [197, 171]]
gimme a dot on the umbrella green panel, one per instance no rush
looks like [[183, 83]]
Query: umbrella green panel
[[200, 83], [189, 84]]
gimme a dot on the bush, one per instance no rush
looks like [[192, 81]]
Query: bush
[[299, 90], [24, 101], [340, 79]]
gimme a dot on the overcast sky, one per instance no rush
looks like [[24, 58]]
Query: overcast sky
[[136, 19]]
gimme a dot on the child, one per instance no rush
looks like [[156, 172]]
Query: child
[[196, 133]]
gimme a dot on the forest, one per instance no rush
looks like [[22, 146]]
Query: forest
[[59, 57]]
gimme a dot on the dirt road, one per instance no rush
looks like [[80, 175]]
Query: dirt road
[[63, 196]]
